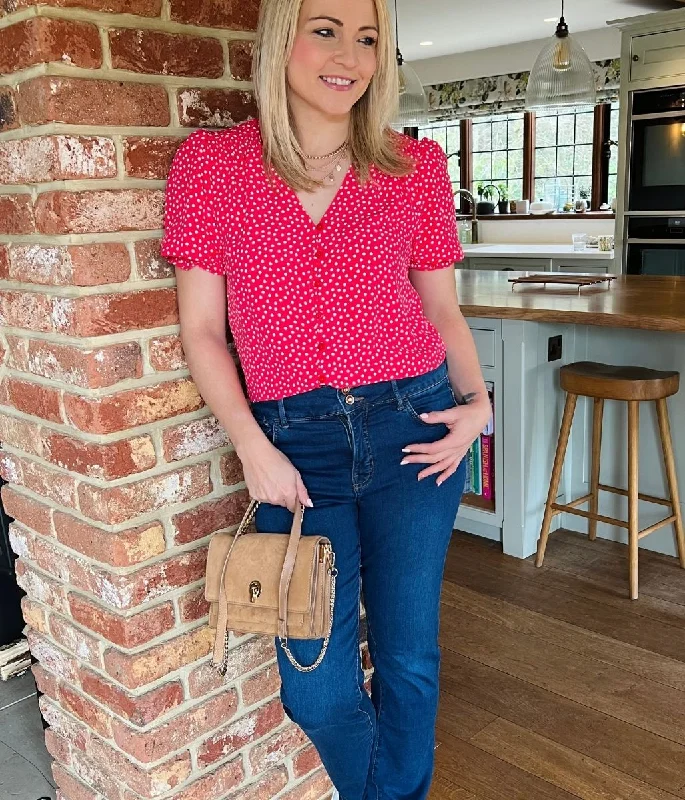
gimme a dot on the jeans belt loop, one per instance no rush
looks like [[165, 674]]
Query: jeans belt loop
[[281, 413], [398, 395]]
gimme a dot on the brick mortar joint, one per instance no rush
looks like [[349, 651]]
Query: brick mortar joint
[[74, 292]]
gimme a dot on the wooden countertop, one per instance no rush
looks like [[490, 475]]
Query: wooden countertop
[[632, 301]]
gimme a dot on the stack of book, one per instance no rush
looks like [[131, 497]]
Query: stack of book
[[14, 659], [480, 460]]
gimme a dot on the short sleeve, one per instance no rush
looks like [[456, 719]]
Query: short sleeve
[[191, 229], [435, 244]]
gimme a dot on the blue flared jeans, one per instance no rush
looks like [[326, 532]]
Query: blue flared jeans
[[390, 533]]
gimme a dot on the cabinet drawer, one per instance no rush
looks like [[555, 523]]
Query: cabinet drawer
[[657, 55], [515, 264], [485, 345], [585, 268]]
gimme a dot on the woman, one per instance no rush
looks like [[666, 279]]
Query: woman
[[329, 241]]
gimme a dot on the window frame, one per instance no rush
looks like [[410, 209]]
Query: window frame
[[601, 155]]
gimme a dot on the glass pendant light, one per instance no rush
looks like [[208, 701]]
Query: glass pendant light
[[413, 103], [562, 74]]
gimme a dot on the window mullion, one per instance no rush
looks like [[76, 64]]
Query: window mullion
[[529, 155], [466, 161]]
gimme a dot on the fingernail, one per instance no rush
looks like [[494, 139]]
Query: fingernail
[[406, 450], [404, 461], [438, 482], [423, 416], [309, 503]]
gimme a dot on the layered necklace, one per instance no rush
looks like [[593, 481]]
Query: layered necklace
[[331, 163]]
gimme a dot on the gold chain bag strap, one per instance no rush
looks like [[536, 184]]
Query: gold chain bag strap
[[278, 584]]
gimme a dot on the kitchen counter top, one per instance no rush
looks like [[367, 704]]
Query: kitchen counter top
[[534, 250], [630, 301]]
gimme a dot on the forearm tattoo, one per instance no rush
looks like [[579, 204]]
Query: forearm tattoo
[[467, 398]]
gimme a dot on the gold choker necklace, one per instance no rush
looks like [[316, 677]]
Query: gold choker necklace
[[335, 152]]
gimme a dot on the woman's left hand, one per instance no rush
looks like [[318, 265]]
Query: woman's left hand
[[466, 423]]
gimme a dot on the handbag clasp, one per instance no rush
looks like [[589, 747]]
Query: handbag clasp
[[255, 590]]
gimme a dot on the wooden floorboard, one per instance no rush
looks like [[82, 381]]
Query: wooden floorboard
[[554, 684]]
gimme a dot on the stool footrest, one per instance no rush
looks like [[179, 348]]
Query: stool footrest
[[558, 507], [656, 526], [648, 497]]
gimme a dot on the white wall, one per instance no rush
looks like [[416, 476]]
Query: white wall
[[599, 44], [547, 231]]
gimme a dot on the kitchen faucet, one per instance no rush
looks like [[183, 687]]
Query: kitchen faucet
[[474, 215]]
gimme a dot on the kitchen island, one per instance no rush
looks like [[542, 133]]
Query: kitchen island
[[539, 257], [523, 336]]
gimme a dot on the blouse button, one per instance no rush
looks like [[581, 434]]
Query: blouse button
[[319, 253], [322, 379], [317, 283], [322, 346]]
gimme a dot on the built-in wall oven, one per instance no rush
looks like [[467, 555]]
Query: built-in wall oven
[[655, 209]]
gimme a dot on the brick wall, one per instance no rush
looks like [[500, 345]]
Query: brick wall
[[117, 472]]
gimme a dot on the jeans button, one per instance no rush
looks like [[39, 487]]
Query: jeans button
[[349, 400]]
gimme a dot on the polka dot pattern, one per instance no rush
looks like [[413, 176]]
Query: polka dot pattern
[[313, 304]]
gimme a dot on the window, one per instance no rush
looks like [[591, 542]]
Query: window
[[448, 135], [498, 152], [613, 161], [563, 155]]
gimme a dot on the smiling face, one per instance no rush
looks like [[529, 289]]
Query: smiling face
[[334, 55]]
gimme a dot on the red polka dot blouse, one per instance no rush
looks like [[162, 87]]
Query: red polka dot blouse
[[313, 304]]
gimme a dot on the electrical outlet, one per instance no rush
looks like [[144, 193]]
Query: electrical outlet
[[554, 348]]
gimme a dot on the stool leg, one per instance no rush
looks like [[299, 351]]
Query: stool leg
[[597, 413], [669, 461], [633, 526], [562, 443]]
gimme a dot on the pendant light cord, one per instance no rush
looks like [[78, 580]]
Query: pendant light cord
[[400, 60]]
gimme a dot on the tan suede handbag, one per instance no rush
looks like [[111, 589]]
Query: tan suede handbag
[[279, 584]]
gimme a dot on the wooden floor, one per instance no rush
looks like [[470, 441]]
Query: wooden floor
[[554, 685]]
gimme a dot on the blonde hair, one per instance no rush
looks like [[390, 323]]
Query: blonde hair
[[372, 140]]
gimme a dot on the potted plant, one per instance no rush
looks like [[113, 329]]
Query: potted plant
[[503, 204], [486, 206], [581, 205]]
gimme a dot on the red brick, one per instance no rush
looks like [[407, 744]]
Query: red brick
[[242, 659], [193, 438], [276, 748], [35, 399], [110, 461], [311, 788], [21, 540], [216, 784], [261, 685], [141, 8], [268, 785], [9, 117], [71, 787], [216, 108], [4, 263], [121, 503], [58, 662], [160, 53], [95, 775], [19, 433], [140, 710], [120, 549], [56, 486], [135, 407], [81, 707], [51, 158], [109, 210], [16, 214], [207, 518], [100, 315], [34, 615], [149, 157], [241, 16], [240, 59], [231, 469], [166, 353], [155, 743], [32, 310], [27, 510], [41, 588], [72, 265], [90, 369], [235, 736], [142, 668], [193, 606], [152, 265], [74, 731], [41, 40], [45, 681], [58, 747], [84, 646], [306, 761], [80, 101], [125, 632]]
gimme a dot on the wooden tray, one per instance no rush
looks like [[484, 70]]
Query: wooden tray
[[569, 280]]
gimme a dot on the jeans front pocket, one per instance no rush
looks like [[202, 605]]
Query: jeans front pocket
[[436, 398]]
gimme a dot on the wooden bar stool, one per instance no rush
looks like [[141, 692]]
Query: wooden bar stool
[[632, 385]]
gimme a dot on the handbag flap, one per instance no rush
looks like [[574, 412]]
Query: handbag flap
[[219, 545], [259, 557]]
